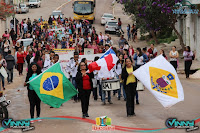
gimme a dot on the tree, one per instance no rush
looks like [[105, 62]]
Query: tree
[[153, 15], [6, 10]]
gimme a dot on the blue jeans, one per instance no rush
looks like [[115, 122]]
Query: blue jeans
[[74, 84], [119, 91], [124, 93], [10, 75], [2, 78], [136, 95], [128, 34], [100, 89], [104, 96]]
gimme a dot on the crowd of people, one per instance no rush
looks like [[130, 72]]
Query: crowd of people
[[69, 33]]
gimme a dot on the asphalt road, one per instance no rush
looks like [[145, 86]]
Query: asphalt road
[[149, 114]]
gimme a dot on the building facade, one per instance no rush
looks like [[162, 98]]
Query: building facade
[[189, 27]]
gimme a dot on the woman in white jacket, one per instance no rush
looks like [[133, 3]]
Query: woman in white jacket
[[118, 71]]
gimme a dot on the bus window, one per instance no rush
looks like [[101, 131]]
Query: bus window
[[83, 7]]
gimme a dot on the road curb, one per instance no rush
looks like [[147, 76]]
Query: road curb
[[64, 4]]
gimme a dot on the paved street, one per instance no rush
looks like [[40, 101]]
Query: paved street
[[149, 113]]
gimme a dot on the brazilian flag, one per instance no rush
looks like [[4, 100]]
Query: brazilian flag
[[52, 87]]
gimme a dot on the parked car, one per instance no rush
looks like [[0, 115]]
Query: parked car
[[106, 17], [22, 8], [111, 26], [34, 3], [56, 13]]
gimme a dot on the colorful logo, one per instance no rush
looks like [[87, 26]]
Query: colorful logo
[[52, 84], [188, 125], [103, 123], [25, 125], [163, 81]]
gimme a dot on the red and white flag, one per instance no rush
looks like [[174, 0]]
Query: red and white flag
[[105, 63]]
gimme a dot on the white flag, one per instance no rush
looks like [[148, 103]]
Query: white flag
[[161, 79]]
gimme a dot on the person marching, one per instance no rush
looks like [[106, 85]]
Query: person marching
[[33, 71], [74, 67], [174, 57], [84, 85], [130, 84], [188, 57], [118, 71]]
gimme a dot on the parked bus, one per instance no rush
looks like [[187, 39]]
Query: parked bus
[[84, 10]]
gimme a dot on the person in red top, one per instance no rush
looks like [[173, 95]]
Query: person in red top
[[20, 61], [6, 35], [94, 46], [84, 85], [152, 51], [47, 47], [131, 51]]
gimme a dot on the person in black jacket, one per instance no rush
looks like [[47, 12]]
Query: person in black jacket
[[33, 71], [29, 56], [84, 85], [10, 65], [130, 84]]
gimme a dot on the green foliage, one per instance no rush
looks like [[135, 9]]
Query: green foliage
[[152, 15], [165, 40]]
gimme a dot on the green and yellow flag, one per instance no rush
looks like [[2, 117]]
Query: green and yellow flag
[[52, 87]]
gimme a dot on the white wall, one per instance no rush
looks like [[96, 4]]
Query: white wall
[[2, 27]]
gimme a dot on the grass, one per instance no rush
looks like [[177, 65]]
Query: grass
[[164, 40]]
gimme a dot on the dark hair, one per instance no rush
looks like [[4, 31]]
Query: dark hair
[[37, 56], [79, 66], [119, 61], [52, 52], [9, 51], [127, 59], [30, 71], [174, 47], [56, 55], [76, 53], [188, 47], [140, 51], [164, 55], [144, 49], [96, 58], [107, 45], [83, 60]]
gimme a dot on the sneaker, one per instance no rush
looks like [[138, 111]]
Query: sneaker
[[104, 103], [32, 122], [137, 102], [118, 98]]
